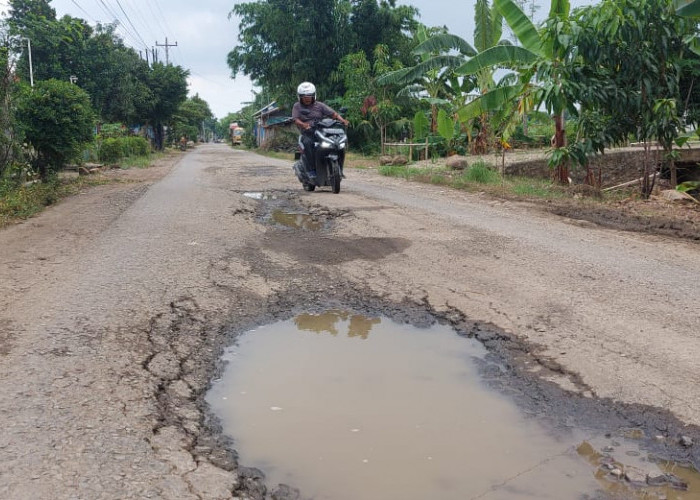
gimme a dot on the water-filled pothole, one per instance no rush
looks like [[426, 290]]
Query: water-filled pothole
[[345, 406], [296, 220]]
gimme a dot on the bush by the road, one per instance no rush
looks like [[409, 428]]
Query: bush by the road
[[113, 149]]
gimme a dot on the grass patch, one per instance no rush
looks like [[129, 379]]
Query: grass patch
[[481, 177], [17, 203], [481, 173], [535, 188], [139, 161]]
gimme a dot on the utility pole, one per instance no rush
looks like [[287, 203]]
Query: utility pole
[[31, 70], [167, 46]]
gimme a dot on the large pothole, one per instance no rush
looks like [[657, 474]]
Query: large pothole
[[346, 405]]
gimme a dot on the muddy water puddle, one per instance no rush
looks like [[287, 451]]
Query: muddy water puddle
[[296, 220], [345, 406]]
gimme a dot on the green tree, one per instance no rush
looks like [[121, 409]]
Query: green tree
[[285, 42], [66, 49], [115, 77], [383, 23], [168, 85], [8, 141], [192, 119], [634, 52], [57, 120]]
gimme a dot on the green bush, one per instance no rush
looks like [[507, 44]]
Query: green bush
[[112, 130], [111, 150], [115, 148], [136, 146], [57, 120]]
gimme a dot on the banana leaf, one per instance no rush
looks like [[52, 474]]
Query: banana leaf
[[521, 25], [445, 42], [559, 8], [498, 55], [493, 100], [445, 125]]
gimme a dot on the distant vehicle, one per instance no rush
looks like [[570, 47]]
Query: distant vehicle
[[236, 133]]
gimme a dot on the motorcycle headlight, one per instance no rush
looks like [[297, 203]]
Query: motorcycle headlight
[[326, 145], [342, 145]]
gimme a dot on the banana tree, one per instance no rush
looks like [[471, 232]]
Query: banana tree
[[541, 63], [432, 78]]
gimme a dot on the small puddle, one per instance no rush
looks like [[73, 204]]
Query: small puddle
[[296, 221], [344, 406], [257, 195]]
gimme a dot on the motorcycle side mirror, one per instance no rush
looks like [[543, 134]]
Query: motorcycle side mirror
[[343, 110]]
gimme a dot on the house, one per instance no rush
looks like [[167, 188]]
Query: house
[[269, 121]]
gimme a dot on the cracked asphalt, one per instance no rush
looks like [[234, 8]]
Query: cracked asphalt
[[115, 306]]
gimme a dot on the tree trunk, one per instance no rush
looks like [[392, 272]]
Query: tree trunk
[[561, 173], [158, 136], [673, 170]]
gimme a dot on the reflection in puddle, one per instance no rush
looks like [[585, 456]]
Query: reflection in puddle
[[626, 471], [296, 221], [256, 195], [344, 406]]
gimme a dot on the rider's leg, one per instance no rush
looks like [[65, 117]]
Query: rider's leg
[[308, 143]]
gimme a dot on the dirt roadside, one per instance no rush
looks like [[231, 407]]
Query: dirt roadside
[[117, 302]]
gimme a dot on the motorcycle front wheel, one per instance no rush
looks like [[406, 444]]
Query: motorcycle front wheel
[[336, 175]]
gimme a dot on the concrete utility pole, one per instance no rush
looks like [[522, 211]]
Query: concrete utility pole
[[31, 70], [167, 46]]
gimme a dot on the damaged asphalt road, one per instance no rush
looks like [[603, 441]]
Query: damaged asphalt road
[[116, 305]]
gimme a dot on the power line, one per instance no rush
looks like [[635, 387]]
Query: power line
[[144, 19], [124, 27], [155, 17], [130, 23], [83, 11]]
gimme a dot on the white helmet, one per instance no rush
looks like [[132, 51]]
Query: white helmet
[[306, 89]]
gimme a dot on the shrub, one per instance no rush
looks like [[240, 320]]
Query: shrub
[[136, 146], [57, 120], [114, 148], [112, 130], [111, 150]]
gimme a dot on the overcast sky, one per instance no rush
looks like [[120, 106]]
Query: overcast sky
[[204, 35]]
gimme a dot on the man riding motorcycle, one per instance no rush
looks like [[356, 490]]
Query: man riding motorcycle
[[306, 111]]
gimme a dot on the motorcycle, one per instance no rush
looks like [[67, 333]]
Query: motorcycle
[[330, 142]]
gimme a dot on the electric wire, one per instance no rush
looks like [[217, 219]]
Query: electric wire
[[156, 18], [138, 15], [130, 23], [84, 11], [124, 27]]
